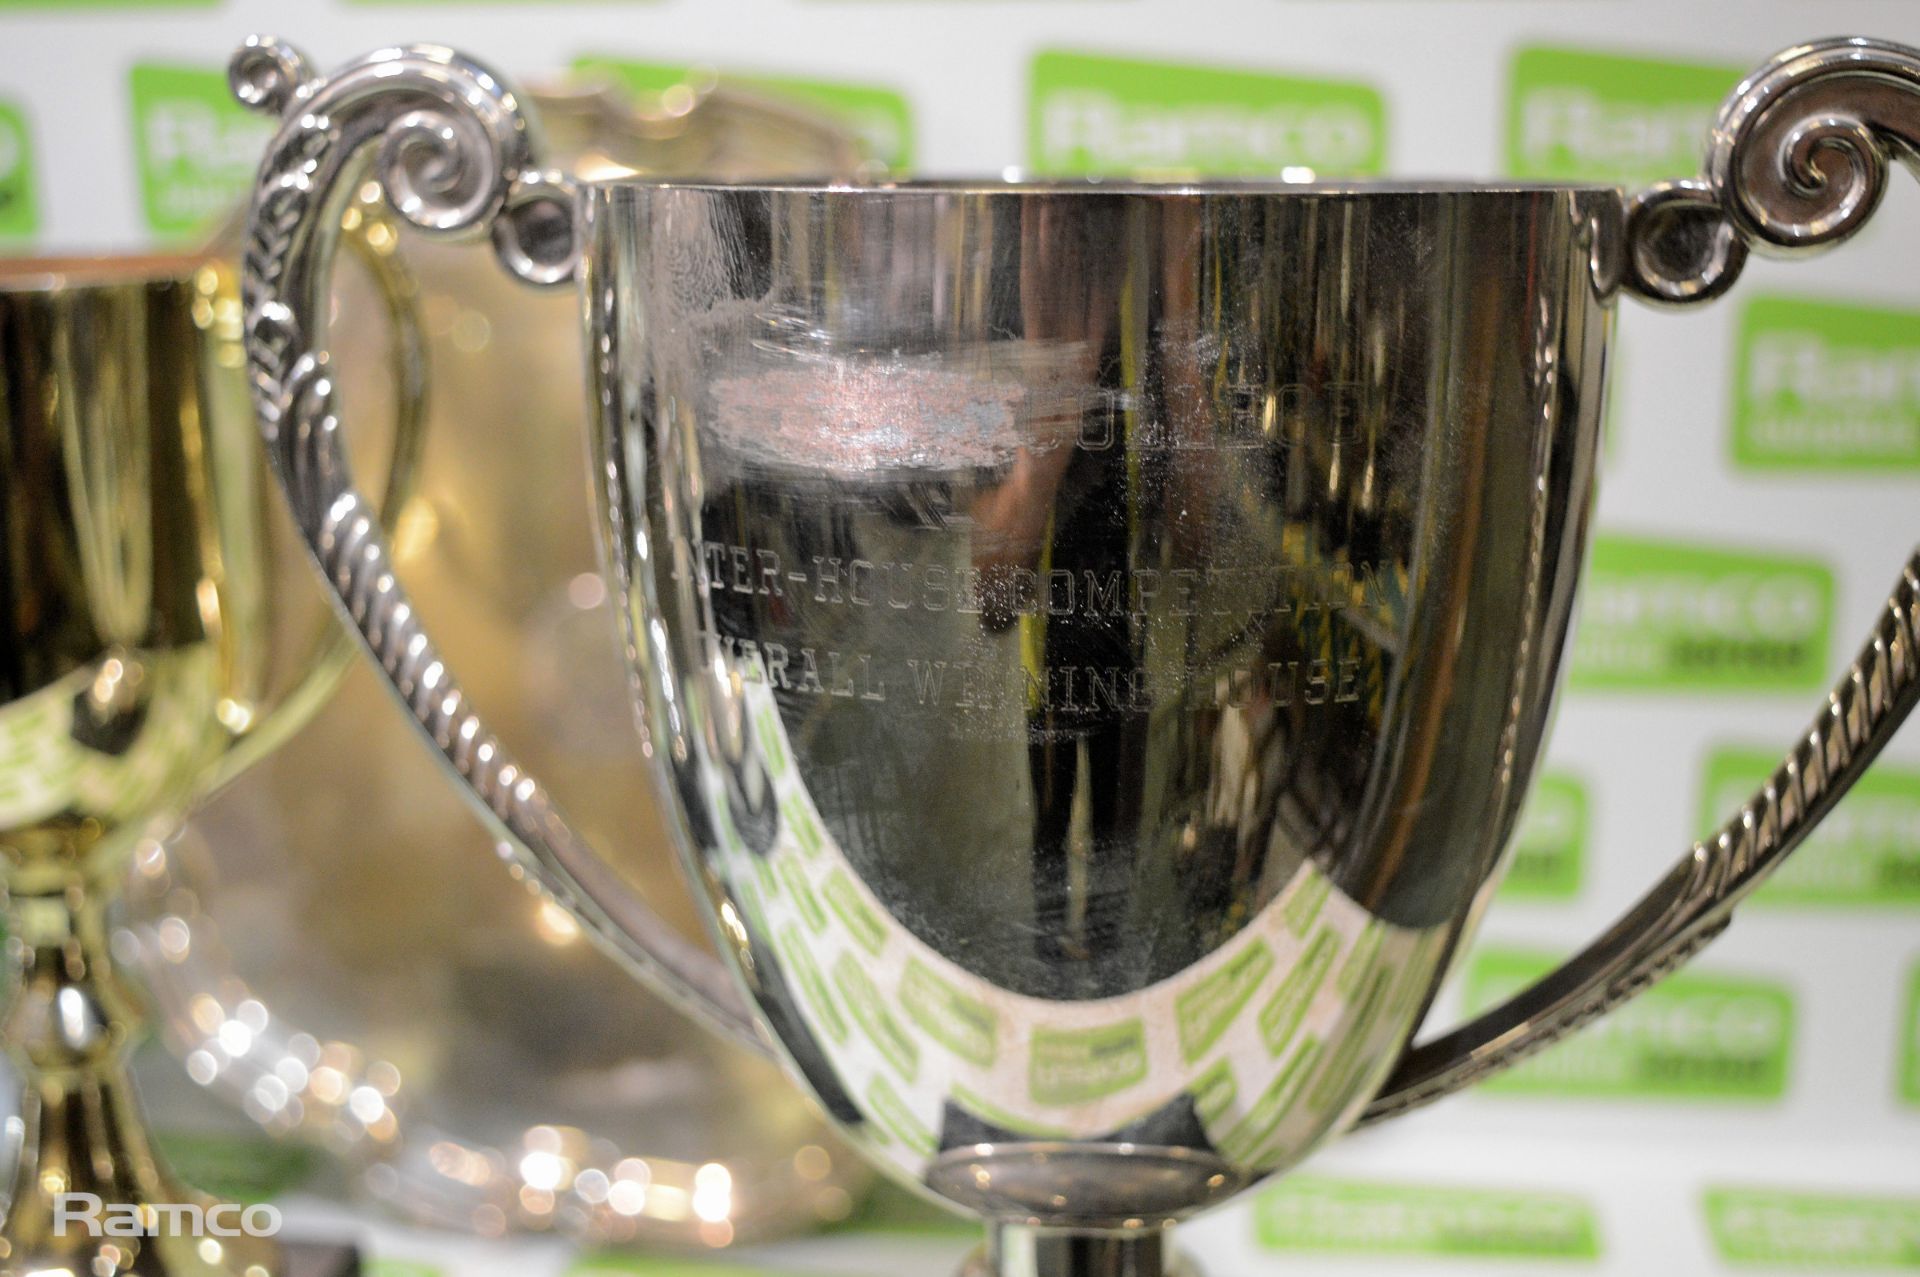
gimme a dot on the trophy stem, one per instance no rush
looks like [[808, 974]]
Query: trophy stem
[[69, 1032], [1019, 1250]]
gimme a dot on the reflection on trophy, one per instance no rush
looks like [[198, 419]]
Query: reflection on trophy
[[142, 667], [1090, 641], [513, 1099]]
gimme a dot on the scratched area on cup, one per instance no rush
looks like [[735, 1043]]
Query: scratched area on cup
[[863, 416]]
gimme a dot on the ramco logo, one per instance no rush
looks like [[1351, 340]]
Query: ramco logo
[[1822, 385], [1814, 1232], [1661, 615], [1335, 1216], [198, 148], [1093, 115], [85, 1212], [18, 216], [12, 146], [1574, 114], [1549, 845], [1097, 130], [1865, 852], [1692, 1035], [1909, 1085], [1730, 605]]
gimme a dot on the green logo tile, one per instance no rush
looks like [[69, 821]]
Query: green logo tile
[[238, 1168], [1865, 852], [1660, 616], [1770, 1228], [870, 1011], [1343, 1069], [1909, 1084], [891, 1111], [197, 148], [813, 986], [1214, 1091], [1822, 385], [1280, 1017], [1348, 1217], [964, 1025], [1089, 115], [1301, 907], [1690, 1037], [1204, 1011], [855, 915], [1070, 1066], [879, 115], [19, 211], [1250, 1135], [1550, 846], [794, 877], [1578, 115]]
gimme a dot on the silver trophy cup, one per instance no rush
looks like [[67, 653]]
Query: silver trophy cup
[[1092, 640]]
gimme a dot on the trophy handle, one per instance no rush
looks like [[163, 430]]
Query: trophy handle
[[1798, 161], [330, 651], [451, 145]]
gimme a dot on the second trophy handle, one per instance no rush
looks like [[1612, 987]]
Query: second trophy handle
[[329, 652], [1798, 162], [449, 142]]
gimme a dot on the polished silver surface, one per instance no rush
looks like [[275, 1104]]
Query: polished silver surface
[[1093, 639], [1070, 624]]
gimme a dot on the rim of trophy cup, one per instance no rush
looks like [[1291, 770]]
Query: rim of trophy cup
[[1019, 184], [84, 270]]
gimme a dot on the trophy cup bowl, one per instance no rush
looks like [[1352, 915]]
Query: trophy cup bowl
[[144, 666], [1091, 640]]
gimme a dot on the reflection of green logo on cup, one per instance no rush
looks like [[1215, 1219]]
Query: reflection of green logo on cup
[[197, 147], [880, 116], [1280, 1017], [1263, 1118], [1099, 115], [1865, 852], [1659, 616], [239, 1168], [1813, 1231], [18, 214], [1550, 844], [1691, 1036], [1204, 1011], [1070, 1066], [1909, 1087], [1577, 115], [875, 1018], [1349, 1217], [963, 1024], [896, 1118], [1828, 386]]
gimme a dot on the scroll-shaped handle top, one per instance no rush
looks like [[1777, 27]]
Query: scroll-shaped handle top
[[452, 146], [1797, 162]]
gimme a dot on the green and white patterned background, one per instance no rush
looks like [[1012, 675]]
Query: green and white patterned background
[[1760, 485]]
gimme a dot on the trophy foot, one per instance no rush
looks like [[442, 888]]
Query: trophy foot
[[1019, 1250], [89, 1194]]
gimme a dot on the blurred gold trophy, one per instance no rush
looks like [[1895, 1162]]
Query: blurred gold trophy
[[144, 664], [375, 952]]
